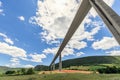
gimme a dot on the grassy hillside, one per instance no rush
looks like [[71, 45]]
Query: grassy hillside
[[74, 76], [3, 69], [91, 61]]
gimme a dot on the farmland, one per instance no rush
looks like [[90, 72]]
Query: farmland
[[64, 76]]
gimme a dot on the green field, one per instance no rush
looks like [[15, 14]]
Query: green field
[[75, 76], [86, 64], [91, 61]]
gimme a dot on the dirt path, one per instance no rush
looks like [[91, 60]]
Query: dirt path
[[66, 71]]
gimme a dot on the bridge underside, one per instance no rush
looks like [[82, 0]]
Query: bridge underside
[[110, 18]]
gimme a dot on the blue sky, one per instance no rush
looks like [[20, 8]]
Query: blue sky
[[31, 32]]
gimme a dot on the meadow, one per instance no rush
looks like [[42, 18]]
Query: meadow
[[81, 64], [64, 76]]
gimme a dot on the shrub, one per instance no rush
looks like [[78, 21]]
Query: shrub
[[30, 71], [10, 72], [109, 70], [23, 71], [18, 72]]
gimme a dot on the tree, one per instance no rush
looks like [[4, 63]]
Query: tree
[[109, 70], [18, 72], [41, 68], [30, 71], [23, 71], [10, 72]]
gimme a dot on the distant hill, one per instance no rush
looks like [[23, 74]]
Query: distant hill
[[90, 61], [3, 69], [41, 68]]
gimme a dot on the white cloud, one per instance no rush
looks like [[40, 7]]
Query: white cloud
[[15, 60], [67, 51], [14, 63], [3, 35], [6, 39], [55, 18], [12, 50], [0, 4], [17, 53], [114, 53], [50, 51], [21, 18], [1, 9], [18, 65], [28, 66], [79, 54], [105, 43], [37, 57], [74, 44]]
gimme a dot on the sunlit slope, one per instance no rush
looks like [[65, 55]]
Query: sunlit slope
[[91, 60]]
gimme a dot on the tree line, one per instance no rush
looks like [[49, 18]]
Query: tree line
[[22, 71], [109, 70]]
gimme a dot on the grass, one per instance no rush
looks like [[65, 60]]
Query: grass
[[73, 76], [91, 60]]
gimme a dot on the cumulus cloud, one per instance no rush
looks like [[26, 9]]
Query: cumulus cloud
[[14, 60], [13, 65], [28, 66], [12, 50], [18, 53], [3, 35], [67, 51], [114, 53], [21, 18], [6, 39], [105, 43], [37, 57], [55, 17], [1, 9], [0, 3], [50, 50], [16, 65], [79, 54], [77, 44]]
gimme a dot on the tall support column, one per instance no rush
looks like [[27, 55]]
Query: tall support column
[[53, 66], [110, 18], [60, 62]]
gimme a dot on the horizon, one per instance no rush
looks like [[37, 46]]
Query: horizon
[[31, 32], [66, 60]]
